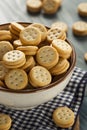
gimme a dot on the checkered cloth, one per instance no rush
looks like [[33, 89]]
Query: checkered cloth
[[40, 117]]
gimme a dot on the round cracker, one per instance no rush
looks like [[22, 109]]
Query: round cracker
[[13, 57], [34, 6], [63, 69], [63, 117], [40, 76], [42, 29], [80, 28], [63, 48], [82, 9], [16, 79], [30, 36], [54, 33], [5, 47], [60, 25], [51, 6], [47, 56], [5, 121]]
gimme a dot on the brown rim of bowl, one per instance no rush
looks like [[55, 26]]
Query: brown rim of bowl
[[50, 85]]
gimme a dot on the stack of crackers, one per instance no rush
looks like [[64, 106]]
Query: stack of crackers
[[48, 6], [79, 28], [32, 55]]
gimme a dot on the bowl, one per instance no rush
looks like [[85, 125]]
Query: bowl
[[29, 98]]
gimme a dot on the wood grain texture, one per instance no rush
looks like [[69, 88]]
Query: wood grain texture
[[77, 124]]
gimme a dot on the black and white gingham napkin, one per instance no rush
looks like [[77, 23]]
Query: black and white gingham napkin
[[40, 117]]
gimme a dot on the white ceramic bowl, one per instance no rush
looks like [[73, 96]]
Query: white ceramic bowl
[[25, 99]]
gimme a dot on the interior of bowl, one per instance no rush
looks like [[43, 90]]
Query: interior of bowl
[[56, 79]]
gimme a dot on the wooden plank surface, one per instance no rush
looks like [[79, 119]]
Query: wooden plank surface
[[77, 125]]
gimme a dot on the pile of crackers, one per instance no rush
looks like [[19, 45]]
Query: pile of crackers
[[32, 55], [48, 6], [79, 28]]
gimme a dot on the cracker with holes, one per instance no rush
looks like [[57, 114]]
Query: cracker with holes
[[63, 48], [54, 33], [42, 29], [47, 56], [5, 121], [14, 59], [30, 36], [39, 76], [82, 9], [36, 51], [5, 46], [51, 6], [16, 79], [63, 117], [60, 25], [79, 28], [28, 50], [61, 67], [34, 6], [3, 70]]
